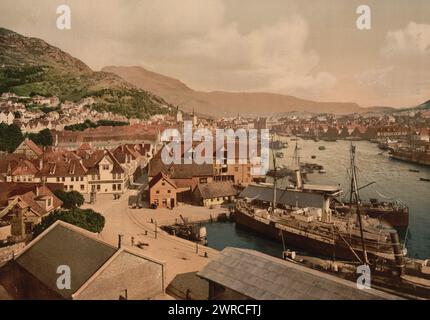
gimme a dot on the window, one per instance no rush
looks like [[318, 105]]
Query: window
[[64, 179], [98, 187], [168, 191], [114, 187], [49, 202], [203, 180], [58, 179], [105, 167], [82, 178], [82, 187], [114, 176], [119, 187], [72, 179], [71, 187], [236, 169], [163, 183]]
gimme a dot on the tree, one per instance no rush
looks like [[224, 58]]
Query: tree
[[71, 199], [87, 219], [43, 138], [10, 137]]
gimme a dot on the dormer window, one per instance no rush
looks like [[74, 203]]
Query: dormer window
[[105, 167]]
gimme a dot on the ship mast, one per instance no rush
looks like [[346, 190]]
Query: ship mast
[[274, 179], [355, 198]]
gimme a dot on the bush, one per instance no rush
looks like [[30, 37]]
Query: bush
[[87, 219]]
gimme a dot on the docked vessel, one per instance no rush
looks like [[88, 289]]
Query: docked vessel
[[301, 217], [396, 214], [417, 156], [306, 229]]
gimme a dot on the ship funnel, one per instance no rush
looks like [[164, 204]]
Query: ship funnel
[[398, 252], [299, 182]]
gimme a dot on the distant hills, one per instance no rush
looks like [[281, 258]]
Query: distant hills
[[225, 103], [31, 66]]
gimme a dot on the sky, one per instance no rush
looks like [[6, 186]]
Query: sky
[[309, 49]]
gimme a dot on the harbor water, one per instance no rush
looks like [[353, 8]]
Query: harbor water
[[393, 181]]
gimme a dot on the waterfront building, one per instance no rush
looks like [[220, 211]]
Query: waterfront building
[[214, 193]]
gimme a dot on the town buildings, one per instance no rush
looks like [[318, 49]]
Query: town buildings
[[23, 205]]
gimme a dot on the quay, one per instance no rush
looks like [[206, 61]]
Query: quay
[[140, 229]]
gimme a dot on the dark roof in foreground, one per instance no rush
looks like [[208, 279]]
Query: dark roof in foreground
[[64, 244], [262, 277]]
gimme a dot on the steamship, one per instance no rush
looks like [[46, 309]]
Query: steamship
[[301, 217]]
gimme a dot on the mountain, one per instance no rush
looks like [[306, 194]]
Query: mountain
[[31, 66], [425, 105], [225, 103]]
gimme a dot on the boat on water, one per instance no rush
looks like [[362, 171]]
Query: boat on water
[[395, 214], [321, 148], [322, 171], [306, 229], [313, 156], [425, 179], [411, 155], [414, 170], [301, 217], [408, 278]]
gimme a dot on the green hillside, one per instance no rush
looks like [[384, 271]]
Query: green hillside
[[31, 66]]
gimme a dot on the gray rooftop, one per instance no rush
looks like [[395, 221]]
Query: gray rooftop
[[262, 277], [286, 197], [64, 245]]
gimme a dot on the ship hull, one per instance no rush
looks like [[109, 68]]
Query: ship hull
[[337, 250], [416, 158]]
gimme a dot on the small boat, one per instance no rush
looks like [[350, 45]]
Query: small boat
[[313, 156], [414, 170], [425, 179], [321, 148], [322, 171]]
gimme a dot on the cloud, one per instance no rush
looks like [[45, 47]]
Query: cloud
[[188, 39], [413, 40]]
